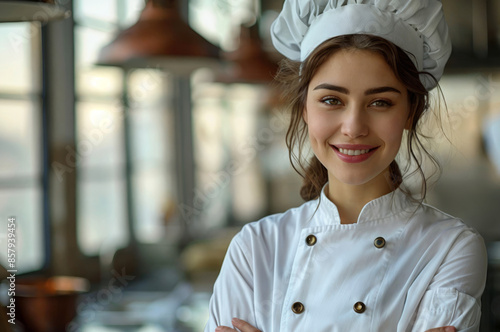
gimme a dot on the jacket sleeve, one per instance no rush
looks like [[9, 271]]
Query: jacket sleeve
[[233, 294], [454, 294]]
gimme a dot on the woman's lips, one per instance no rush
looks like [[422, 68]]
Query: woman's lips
[[354, 153]]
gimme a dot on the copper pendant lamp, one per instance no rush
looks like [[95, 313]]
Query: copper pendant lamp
[[160, 38], [249, 63], [34, 10]]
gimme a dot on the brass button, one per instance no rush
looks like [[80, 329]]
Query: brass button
[[311, 240], [379, 242], [298, 308], [359, 307]]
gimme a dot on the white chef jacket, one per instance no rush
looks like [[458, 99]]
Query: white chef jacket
[[402, 267]]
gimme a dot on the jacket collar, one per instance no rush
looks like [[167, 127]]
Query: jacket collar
[[380, 208]]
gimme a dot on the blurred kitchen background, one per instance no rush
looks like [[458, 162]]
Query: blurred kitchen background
[[137, 137]]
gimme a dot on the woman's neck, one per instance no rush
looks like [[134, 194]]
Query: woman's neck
[[350, 199]]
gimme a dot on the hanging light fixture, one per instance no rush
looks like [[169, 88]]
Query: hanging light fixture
[[160, 38], [249, 63], [34, 10]]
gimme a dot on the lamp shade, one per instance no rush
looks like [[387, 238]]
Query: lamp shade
[[160, 38], [35, 10]]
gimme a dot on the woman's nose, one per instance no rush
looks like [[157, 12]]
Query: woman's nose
[[354, 122]]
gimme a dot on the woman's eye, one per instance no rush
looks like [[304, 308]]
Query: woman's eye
[[381, 103], [331, 101]]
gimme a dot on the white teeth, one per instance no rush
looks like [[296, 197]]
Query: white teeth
[[353, 152]]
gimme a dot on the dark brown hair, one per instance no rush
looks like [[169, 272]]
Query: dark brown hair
[[294, 78]]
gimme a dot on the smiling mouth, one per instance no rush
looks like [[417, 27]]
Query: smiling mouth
[[353, 152]]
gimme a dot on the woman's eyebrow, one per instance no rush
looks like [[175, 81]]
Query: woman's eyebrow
[[381, 90], [343, 90], [332, 87]]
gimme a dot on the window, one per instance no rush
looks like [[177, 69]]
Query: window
[[21, 189], [107, 98], [126, 132], [101, 183], [152, 155]]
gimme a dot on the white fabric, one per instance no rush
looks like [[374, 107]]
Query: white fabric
[[416, 26], [430, 273]]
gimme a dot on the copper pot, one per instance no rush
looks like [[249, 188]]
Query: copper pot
[[48, 304]]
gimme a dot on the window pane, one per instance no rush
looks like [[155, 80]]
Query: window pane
[[92, 79], [20, 45], [20, 139], [151, 118], [152, 136], [25, 205], [212, 201], [148, 88], [227, 150], [154, 203], [99, 134], [97, 10], [88, 43], [99, 81], [101, 215], [219, 21], [153, 171], [211, 150], [152, 153], [253, 135], [133, 9]]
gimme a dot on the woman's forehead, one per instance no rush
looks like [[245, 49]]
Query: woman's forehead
[[355, 67]]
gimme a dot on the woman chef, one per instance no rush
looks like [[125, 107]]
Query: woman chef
[[361, 254]]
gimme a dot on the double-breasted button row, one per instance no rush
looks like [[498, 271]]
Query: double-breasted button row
[[298, 308], [359, 307], [379, 242]]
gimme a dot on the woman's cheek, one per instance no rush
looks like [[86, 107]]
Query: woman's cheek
[[321, 125], [392, 132]]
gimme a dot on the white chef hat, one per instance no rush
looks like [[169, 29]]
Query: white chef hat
[[418, 27]]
